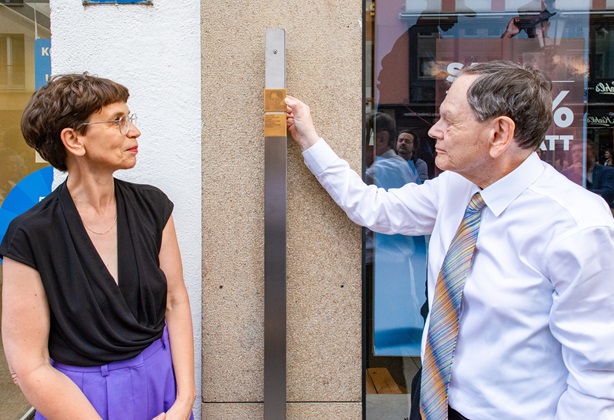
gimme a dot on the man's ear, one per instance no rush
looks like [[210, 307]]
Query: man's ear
[[502, 135], [72, 142], [382, 137]]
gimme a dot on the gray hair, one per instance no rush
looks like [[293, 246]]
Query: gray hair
[[520, 92]]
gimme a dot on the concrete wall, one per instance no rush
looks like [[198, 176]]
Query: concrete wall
[[323, 52], [155, 52], [188, 63]]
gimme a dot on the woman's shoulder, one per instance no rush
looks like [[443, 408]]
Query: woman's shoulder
[[38, 225], [40, 216], [145, 199], [143, 191]]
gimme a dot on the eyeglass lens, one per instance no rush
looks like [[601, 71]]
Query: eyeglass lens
[[124, 123]]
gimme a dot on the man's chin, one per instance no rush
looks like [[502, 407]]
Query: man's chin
[[441, 163]]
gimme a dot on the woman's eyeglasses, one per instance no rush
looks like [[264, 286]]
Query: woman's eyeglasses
[[123, 123]]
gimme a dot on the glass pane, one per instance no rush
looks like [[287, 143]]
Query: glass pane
[[22, 30], [414, 49]]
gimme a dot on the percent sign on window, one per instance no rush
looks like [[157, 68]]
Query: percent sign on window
[[563, 117]]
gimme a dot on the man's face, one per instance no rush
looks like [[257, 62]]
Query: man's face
[[577, 152], [462, 141], [405, 145]]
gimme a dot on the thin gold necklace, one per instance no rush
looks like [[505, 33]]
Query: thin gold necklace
[[100, 233]]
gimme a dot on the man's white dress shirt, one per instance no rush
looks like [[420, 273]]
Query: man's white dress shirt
[[536, 333]]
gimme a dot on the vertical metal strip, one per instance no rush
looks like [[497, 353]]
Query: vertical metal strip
[[275, 187]]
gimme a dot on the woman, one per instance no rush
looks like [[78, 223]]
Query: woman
[[93, 285], [609, 158]]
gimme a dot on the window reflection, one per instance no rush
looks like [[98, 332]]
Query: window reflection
[[20, 27], [413, 50]]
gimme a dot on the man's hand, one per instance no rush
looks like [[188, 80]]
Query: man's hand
[[300, 124], [512, 28]]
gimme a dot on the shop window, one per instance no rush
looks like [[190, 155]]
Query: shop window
[[12, 61], [22, 25], [414, 49]]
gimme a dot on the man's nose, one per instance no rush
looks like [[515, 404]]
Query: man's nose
[[435, 132]]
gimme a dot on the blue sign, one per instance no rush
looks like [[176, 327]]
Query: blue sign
[[42, 61], [24, 195]]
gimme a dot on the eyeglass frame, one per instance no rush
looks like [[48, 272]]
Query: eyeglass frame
[[130, 119]]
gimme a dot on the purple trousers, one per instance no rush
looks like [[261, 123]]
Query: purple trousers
[[135, 389]]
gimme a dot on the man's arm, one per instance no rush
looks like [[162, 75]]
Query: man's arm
[[581, 269], [422, 169], [410, 210], [512, 29]]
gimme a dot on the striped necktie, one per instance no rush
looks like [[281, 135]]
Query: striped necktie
[[443, 326]]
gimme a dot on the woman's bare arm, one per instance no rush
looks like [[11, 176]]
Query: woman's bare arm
[[25, 334], [179, 322]]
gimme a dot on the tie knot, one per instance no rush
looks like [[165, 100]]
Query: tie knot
[[477, 202]]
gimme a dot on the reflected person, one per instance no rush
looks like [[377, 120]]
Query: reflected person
[[398, 262], [388, 169], [599, 178], [608, 156], [407, 145], [535, 23], [534, 327], [96, 319]]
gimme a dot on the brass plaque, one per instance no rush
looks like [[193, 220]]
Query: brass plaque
[[274, 100], [275, 125]]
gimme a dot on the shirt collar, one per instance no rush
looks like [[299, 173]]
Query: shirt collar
[[502, 193], [388, 154]]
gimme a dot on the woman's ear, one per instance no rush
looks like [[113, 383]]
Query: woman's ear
[[502, 135], [72, 142]]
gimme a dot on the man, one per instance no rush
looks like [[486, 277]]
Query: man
[[395, 264], [407, 144], [387, 170], [535, 329], [599, 179], [535, 27]]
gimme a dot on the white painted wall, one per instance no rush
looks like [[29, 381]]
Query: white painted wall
[[155, 52]]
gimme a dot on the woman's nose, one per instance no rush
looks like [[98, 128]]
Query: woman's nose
[[134, 131]]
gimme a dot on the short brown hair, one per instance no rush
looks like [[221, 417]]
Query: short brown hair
[[518, 91], [66, 101]]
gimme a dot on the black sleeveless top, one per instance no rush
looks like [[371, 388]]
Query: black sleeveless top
[[94, 320]]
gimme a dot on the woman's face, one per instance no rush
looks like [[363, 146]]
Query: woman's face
[[105, 146], [608, 155]]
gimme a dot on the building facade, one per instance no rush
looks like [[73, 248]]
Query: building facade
[[196, 74]]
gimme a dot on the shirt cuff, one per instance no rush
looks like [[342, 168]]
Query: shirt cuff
[[319, 157]]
